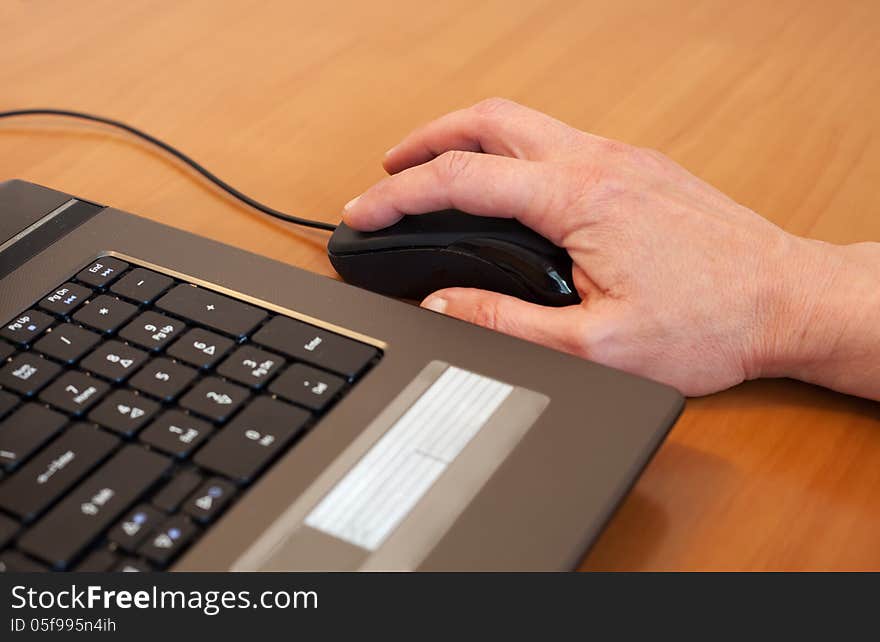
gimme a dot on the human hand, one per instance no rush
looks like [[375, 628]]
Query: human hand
[[679, 283]]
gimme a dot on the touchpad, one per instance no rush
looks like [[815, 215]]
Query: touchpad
[[387, 500]]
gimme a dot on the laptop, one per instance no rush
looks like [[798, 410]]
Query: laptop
[[172, 403]]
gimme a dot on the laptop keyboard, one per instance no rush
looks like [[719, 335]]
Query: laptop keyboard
[[136, 408]]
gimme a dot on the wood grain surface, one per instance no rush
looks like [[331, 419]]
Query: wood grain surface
[[775, 103]]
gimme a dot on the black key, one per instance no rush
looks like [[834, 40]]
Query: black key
[[24, 431], [214, 398], [178, 489], [27, 372], [319, 347], [200, 348], [209, 500], [105, 313], [169, 540], [65, 299], [75, 392], [124, 412], [15, 562], [114, 360], [100, 561], [102, 271], [214, 310], [251, 366], [163, 378], [134, 527], [142, 285], [5, 351], [132, 565], [57, 468], [8, 401], [67, 342], [26, 327], [93, 505], [252, 439], [152, 330], [8, 529], [307, 386], [176, 433]]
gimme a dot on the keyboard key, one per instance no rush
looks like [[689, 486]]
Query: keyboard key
[[124, 412], [101, 561], [74, 392], [163, 378], [6, 351], [67, 342], [214, 398], [214, 310], [8, 401], [177, 490], [8, 529], [313, 345], [252, 439], [26, 327], [251, 366], [93, 506], [152, 330], [176, 433], [24, 431], [201, 348], [105, 313], [27, 373], [142, 285], [206, 504], [132, 565], [114, 360], [169, 540], [15, 562], [133, 529], [307, 386], [56, 469], [65, 299], [102, 271]]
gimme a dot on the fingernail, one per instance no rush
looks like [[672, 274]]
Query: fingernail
[[435, 303], [390, 151], [351, 203]]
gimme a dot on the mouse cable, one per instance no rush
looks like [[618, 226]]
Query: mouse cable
[[226, 187]]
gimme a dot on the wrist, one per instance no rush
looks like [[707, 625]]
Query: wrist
[[823, 325]]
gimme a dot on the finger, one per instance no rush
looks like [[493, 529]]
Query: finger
[[553, 327], [494, 126], [479, 184]]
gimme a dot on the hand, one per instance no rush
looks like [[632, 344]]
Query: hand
[[679, 283]]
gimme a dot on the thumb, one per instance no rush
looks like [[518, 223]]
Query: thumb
[[553, 327]]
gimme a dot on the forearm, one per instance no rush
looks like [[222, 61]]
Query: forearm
[[829, 333]]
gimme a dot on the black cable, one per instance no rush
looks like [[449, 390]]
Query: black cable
[[226, 187]]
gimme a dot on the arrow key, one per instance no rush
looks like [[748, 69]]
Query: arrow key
[[129, 533], [168, 540], [209, 500], [200, 348], [124, 412]]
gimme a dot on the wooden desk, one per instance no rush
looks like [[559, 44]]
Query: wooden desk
[[776, 103]]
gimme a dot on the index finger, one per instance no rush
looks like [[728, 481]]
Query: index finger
[[494, 126]]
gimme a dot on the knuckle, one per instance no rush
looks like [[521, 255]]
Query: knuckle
[[589, 183], [453, 164], [649, 158], [486, 314], [613, 148], [493, 105]]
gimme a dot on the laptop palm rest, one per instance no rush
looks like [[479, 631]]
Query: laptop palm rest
[[391, 496]]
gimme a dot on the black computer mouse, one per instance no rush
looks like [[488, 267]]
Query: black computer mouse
[[427, 252]]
